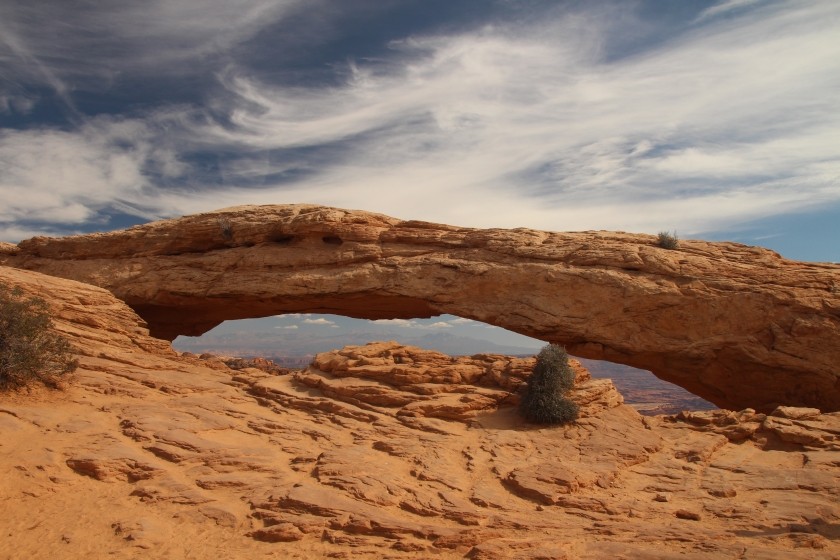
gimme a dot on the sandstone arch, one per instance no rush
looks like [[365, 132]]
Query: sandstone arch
[[739, 326]]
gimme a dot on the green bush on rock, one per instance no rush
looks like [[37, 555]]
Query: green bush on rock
[[667, 240], [544, 402], [29, 349]]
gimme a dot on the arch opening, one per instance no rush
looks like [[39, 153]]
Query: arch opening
[[293, 339]]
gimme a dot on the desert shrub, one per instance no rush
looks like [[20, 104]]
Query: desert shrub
[[544, 402], [29, 349], [667, 240]]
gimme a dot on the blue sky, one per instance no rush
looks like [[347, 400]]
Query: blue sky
[[718, 119], [299, 334]]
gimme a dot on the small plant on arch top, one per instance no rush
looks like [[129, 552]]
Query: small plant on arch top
[[667, 240]]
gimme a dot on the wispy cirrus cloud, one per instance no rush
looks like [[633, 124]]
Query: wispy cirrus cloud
[[65, 177], [552, 122], [321, 322], [406, 323], [723, 123], [85, 45], [419, 324], [724, 7]]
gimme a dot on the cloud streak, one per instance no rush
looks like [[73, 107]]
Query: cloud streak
[[115, 37], [320, 321], [418, 324], [545, 132], [724, 7], [553, 123]]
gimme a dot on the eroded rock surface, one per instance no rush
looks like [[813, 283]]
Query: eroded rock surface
[[739, 326], [385, 451]]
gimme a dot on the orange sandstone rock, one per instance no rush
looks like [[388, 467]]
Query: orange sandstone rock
[[739, 326], [161, 454]]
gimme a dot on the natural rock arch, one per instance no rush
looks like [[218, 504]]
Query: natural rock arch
[[739, 326]]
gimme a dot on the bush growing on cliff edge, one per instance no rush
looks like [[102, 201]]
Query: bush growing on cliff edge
[[544, 402], [29, 349], [668, 240]]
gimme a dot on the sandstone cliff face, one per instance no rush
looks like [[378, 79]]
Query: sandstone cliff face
[[385, 451], [737, 325]]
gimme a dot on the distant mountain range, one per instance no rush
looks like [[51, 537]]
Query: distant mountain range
[[249, 344], [641, 389], [644, 391]]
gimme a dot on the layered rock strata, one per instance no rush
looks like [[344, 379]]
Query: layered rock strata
[[739, 326], [385, 451]]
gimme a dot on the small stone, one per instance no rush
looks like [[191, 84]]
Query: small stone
[[723, 492], [795, 413], [690, 515], [283, 532], [662, 497], [221, 516]]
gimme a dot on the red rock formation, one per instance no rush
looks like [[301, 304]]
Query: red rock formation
[[384, 451], [739, 326]]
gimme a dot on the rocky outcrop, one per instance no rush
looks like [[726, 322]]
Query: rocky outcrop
[[384, 451], [739, 326]]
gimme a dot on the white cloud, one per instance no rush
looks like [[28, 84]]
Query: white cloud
[[461, 321], [20, 104], [519, 125], [767, 236], [415, 324], [723, 7], [50, 43], [288, 327], [396, 323], [533, 129], [13, 233], [67, 177], [63, 177], [320, 321]]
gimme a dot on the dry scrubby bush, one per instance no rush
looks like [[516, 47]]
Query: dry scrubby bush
[[544, 402], [29, 349], [667, 240], [226, 228]]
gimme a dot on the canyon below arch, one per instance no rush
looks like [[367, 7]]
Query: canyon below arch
[[739, 326]]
